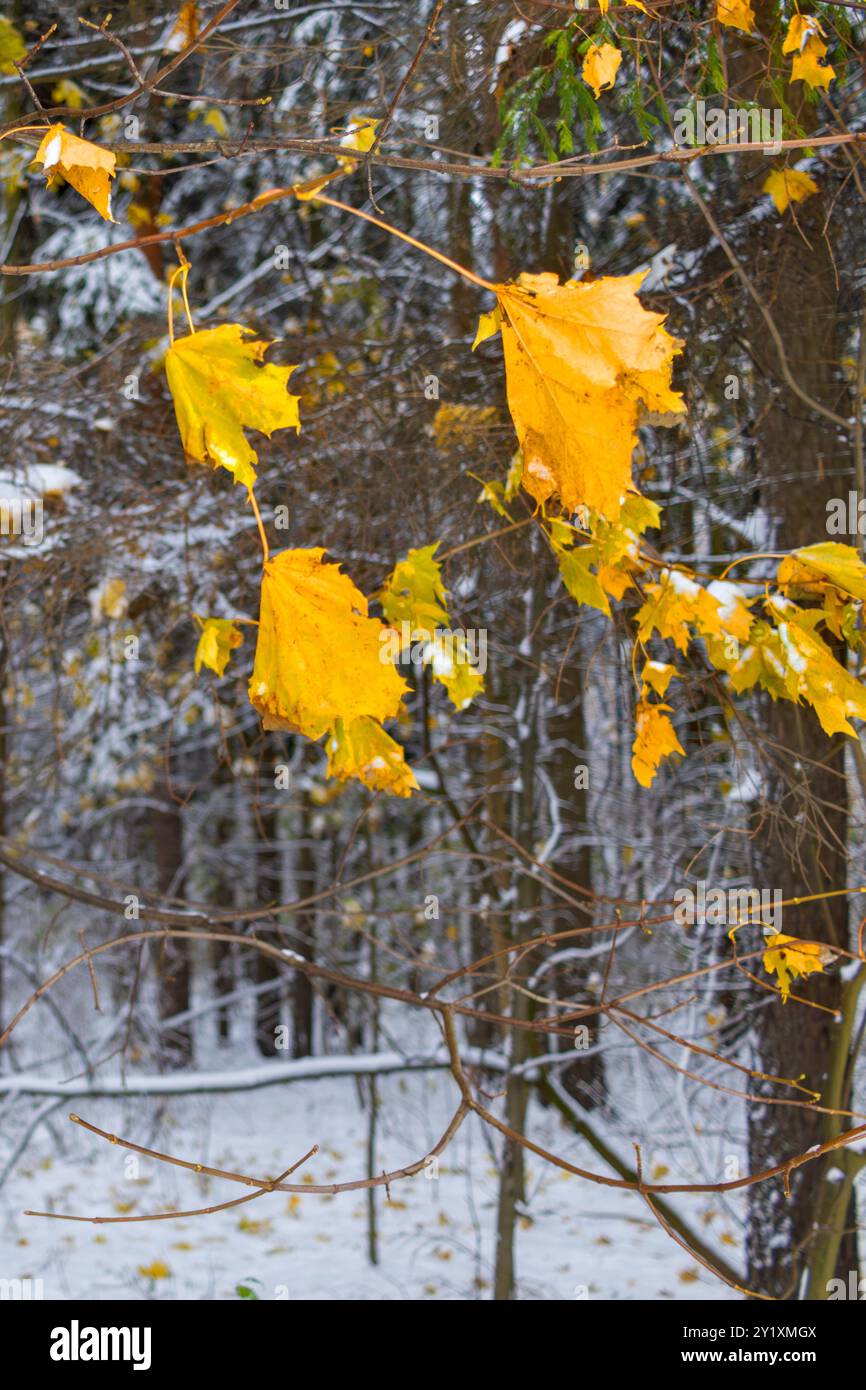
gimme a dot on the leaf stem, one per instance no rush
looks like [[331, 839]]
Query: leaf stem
[[404, 236], [255, 506]]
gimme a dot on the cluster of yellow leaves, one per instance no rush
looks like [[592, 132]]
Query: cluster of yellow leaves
[[780, 650], [220, 386], [678, 606], [414, 602], [581, 362], [87, 167], [786, 186], [736, 14], [805, 39], [605, 566], [787, 957]]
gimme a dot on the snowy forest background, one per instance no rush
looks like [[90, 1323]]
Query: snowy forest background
[[132, 786]]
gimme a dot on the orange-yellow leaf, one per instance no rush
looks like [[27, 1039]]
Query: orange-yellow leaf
[[737, 14], [87, 167], [839, 564], [360, 136], [809, 66], [452, 665], [657, 676], [801, 28], [787, 186], [788, 957], [414, 592], [362, 749], [12, 46], [413, 600], [655, 739], [186, 28], [219, 637], [600, 67], [581, 360], [488, 325], [319, 657], [220, 386]]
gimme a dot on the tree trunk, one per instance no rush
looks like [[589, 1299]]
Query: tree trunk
[[172, 954], [800, 830], [305, 924], [265, 970]]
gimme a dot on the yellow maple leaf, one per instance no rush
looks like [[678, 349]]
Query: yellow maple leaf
[[787, 186], [655, 739], [657, 676], [801, 28], [12, 46], [109, 600], [578, 578], [219, 637], [600, 67], [414, 592], [360, 136], [489, 324], [319, 657], [581, 360], [811, 672], [736, 14], [787, 957], [158, 1270], [460, 424], [414, 597], [216, 120], [493, 492], [68, 93], [809, 66], [362, 749], [87, 167], [220, 386], [840, 564], [186, 28], [448, 657]]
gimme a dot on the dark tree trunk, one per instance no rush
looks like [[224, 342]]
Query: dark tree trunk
[[265, 970], [172, 954], [305, 925], [800, 830]]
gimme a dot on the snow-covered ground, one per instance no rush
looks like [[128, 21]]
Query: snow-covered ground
[[436, 1235]]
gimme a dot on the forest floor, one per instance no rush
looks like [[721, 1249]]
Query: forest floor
[[435, 1235]]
